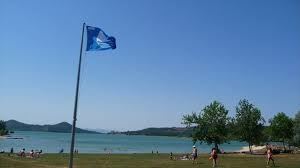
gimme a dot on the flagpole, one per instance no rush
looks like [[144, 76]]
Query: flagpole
[[76, 102]]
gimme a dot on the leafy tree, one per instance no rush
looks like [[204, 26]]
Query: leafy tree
[[2, 125], [249, 124], [210, 126], [267, 134], [296, 139], [3, 130], [281, 128]]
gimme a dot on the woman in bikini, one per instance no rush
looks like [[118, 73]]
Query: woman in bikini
[[214, 156], [270, 156]]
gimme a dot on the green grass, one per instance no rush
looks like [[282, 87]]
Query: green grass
[[145, 161]]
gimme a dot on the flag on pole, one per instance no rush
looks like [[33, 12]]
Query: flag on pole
[[97, 40]]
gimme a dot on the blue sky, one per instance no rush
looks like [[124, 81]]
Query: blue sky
[[172, 58]]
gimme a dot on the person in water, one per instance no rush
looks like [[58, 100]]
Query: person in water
[[214, 156], [270, 156]]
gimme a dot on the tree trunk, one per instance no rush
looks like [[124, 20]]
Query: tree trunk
[[250, 148], [283, 145], [217, 147]]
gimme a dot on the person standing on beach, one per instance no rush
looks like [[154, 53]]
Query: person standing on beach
[[31, 153], [194, 154], [270, 156], [214, 156], [171, 156], [22, 153]]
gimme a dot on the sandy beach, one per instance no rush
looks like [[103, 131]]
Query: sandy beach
[[254, 148], [3, 137]]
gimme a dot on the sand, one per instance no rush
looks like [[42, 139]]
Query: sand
[[254, 148]]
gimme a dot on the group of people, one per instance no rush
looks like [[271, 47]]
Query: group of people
[[194, 155], [214, 156], [156, 152], [31, 154], [62, 151]]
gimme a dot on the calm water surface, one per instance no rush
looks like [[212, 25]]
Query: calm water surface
[[51, 142]]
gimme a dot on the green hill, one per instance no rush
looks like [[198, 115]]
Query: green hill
[[65, 127], [172, 131]]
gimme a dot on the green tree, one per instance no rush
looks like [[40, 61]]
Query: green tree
[[3, 130], [210, 126], [281, 127], [249, 124], [296, 139]]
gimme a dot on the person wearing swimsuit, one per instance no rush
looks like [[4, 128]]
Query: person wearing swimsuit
[[214, 156], [270, 156]]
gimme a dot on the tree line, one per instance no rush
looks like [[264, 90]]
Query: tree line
[[3, 130], [213, 126]]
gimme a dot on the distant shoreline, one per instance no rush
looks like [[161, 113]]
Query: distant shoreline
[[62, 127]]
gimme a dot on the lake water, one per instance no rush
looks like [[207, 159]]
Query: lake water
[[51, 142]]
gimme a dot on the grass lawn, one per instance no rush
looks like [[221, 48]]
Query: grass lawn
[[145, 161]]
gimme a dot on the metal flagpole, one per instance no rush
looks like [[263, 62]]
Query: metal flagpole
[[76, 102]]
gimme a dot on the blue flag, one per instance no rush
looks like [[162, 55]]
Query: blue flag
[[97, 40]]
